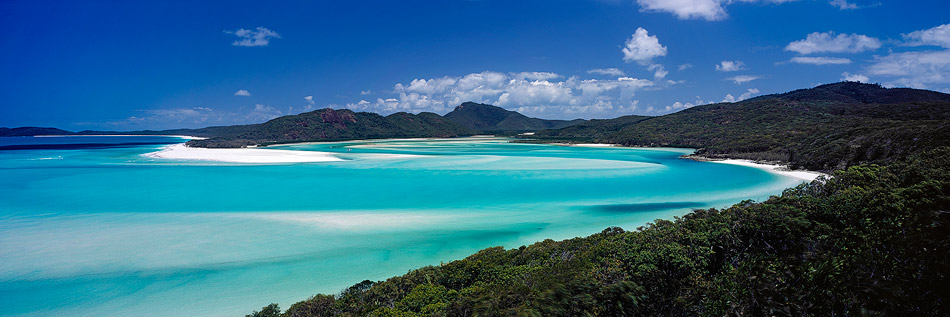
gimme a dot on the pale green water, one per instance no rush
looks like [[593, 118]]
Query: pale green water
[[105, 230]]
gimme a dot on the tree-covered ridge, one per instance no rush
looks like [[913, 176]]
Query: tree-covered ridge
[[330, 124], [872, 240], [31, 131], [487, 118], [824, 128]]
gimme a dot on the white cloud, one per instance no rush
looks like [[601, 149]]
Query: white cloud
[[242, 92], [642, 47], [258, 37], [827, 42], [534, 93], [742, 79], [746, 95], [684, 105], [607, 72], [843, 4], [854, 77], [685, 67], [730, 66], [309, 99], [936, 36], [534, 75], [710, 10], [366, 92], [658, 71], [913, 69], [820, 60]]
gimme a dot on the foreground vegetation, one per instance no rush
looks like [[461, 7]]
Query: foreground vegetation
[[871, 240]]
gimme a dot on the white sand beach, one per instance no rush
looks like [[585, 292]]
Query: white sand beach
[[245, 155], [777, 169], [587, 144]]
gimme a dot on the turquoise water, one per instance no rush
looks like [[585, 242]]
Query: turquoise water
[[100, 229]]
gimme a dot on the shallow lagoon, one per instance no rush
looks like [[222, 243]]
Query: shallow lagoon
[[106, 230]]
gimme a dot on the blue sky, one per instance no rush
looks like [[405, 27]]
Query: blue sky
[[129, 65]]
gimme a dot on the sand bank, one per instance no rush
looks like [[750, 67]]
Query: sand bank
[[245, 155], [777, 169]]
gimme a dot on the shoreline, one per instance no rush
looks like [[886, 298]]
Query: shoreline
[[779, 169], [774, 168], [243, 155], [102, 135]]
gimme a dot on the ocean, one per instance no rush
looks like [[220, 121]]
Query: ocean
[[89, 225]]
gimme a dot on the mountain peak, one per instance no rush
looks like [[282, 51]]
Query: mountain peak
[[488, 118]]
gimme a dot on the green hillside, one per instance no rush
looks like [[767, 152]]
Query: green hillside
[[824, 128], [31, 131], [487, 118], [328, 124]]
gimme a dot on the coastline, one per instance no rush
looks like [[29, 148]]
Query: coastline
[[774, 168], [779, 169], [243, 155]]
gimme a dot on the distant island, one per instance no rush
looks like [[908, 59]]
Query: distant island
[[825, 128]]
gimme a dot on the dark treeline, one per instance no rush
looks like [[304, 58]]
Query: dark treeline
[[872, 240], [826, 128]]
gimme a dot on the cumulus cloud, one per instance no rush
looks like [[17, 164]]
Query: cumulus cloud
[[730, 66], [854, 77], [257, 37], [607, 72], [843, 4], [919, 69], [742, 79], [242, 92], [309, 100], [746, 95], [642, 47], [828, 42], [685, 67], [366, 92], [676, 106], [532, 93], [658, 71], [820, 60], [710, 10], [936, 36]]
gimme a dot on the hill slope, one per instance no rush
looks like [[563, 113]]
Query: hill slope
[[488, 118], [329, 124], [823, 128], [31, 131]]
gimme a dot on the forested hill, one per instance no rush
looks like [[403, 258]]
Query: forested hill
[[329, 124], [487, 118], [823, 128], [31, 131]]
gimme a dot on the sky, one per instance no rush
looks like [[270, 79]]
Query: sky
[[132, 65]]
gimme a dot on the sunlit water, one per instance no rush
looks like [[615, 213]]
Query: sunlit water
[[88, 227]]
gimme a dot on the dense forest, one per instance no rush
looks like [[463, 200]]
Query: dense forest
[[491, 119], [823, 128], [329, 124], [872, 240]]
